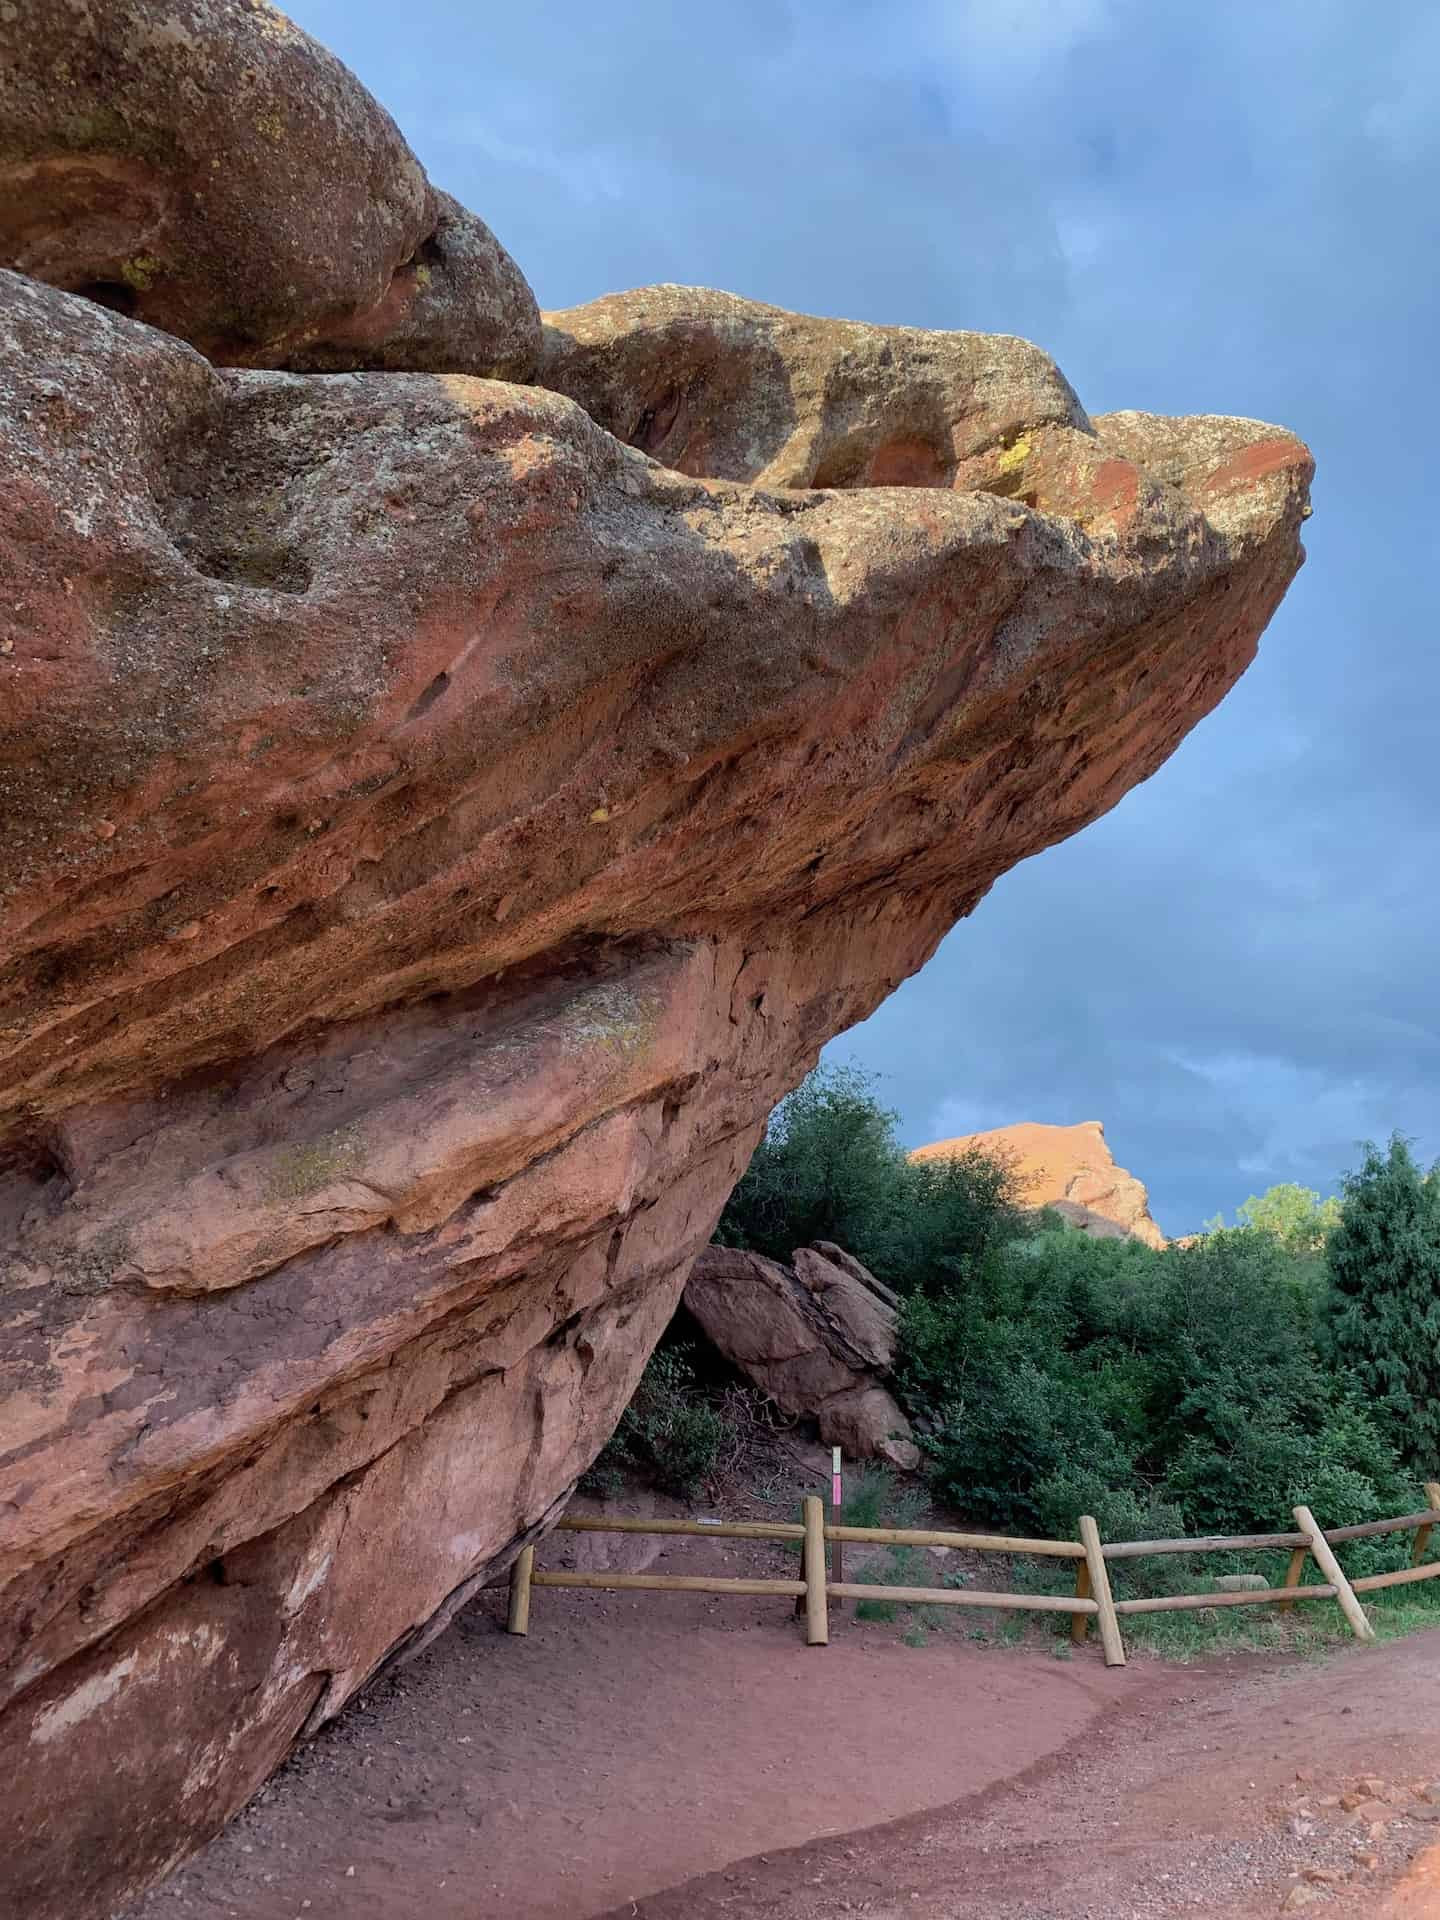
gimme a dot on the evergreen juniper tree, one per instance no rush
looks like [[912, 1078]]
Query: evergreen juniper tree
[[1384, 1262]]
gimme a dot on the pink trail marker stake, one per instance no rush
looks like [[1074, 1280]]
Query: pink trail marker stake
[[836, 1502]]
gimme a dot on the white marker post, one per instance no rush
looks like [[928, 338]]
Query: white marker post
[[836, 1503]]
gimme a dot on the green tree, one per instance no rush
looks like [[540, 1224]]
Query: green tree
[[955, 1216], [831, 1168], [1295, 1216], [1384, 1263], [828, 1168]]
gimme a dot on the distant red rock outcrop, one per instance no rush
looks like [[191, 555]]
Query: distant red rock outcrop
[[1070, 1169]]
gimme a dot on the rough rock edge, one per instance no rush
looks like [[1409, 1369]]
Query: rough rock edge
[[210, 169], [813, 1337]]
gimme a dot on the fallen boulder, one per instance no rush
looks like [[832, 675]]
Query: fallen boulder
[[437, 833], [811, 1335]]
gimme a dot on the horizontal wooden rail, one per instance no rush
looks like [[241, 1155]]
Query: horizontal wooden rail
[[1193, 1602], [1255, 1542], [1400, 1579], [1206, 1543], [1368, 1528], [700, 1529], [958, 1597], [971, 1542], [665, 1583]]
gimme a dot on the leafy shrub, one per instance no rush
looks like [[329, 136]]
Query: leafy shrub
[[1183, 1391], [873, 1498], [1010, 1432], [831, 1168], [897, 1567], [668, 1433], [1200, 1389], [828, 1168]]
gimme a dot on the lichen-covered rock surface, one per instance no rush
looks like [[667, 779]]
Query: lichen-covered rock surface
[[206, 167], [435, 833]]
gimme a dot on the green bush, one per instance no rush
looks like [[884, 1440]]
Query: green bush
[[1200, 1389], [668, 1433], [1008, 1434], [897, 1567], [831, 1168], [1183, 1391], [828, 1168], [874, 1498]]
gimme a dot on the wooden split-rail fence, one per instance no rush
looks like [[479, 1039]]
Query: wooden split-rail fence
[[1091, 1600]]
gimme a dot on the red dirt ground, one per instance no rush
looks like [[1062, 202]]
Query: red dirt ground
[[637, 1743]]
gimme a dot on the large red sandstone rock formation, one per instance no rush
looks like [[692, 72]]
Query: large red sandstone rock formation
[[1068, 1168], [436, 832]]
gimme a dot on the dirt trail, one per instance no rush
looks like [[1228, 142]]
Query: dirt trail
[[636, 1743], [632, 1742], [1214, 1793]]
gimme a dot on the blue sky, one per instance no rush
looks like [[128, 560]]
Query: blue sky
[[1226, 208]]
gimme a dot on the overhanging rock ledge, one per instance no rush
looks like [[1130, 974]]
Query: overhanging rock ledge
[[442, 816]]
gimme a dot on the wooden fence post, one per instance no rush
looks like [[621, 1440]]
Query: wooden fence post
[[1080, 1622], [520, 1576], [1292, 1576], [1422, 1537], [817, 1617], [1100, 1592], [1335, 1574]]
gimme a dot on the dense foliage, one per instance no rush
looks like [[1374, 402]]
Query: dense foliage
[[670, 1433], [830, 1168], [1295, 1216], [1384, 1264], [1206, 1388]]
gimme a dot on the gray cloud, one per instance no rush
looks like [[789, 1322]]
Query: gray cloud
[[1227, 209]]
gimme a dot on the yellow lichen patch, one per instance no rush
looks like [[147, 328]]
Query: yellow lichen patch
[[311, 1164], [1013, 458], [274, 24], [614, 1017], [140, 272]]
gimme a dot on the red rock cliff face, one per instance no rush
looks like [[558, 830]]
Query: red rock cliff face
[[436, 832]]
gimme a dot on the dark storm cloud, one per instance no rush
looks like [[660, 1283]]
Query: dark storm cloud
[[1228, 209]]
